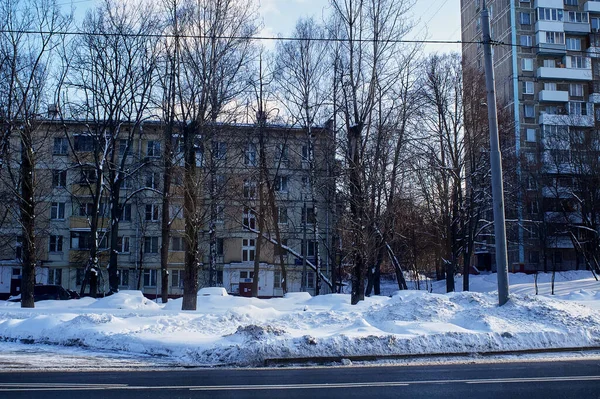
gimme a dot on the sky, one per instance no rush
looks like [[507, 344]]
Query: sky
[[437, 19]]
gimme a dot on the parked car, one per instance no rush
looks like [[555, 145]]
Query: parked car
[[49, 292]]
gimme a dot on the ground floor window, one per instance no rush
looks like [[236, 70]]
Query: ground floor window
[[150, 278], [55, 276], [124, 277], [277, 279], [177, 278]]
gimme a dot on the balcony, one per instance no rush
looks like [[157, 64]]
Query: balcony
[[565, 73], [554, 96], [550, 26], [577, 27], [595, 98], [592, 6], [549, 3], [567, 120], [593, 52], [550, 48]]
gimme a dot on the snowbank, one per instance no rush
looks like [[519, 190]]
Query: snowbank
[[246, 331]]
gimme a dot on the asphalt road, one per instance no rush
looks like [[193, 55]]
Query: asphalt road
[[558, 379]]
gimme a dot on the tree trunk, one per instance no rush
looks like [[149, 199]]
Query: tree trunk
[[27, 208], [190, 206]]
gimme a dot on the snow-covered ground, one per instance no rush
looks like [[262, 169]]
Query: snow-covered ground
[[228, 330]]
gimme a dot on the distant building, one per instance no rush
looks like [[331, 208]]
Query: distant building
[[228, 184], [547, 68]]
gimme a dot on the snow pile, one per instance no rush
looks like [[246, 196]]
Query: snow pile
[[246, 331]]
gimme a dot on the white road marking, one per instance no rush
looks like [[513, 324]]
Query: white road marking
[[7, 387]]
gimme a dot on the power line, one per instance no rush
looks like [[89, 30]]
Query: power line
[[275, 38]]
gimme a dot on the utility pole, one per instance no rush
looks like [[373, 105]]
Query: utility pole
[[496, 163]]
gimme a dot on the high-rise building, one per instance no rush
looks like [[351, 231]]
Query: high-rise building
[[547, 69]]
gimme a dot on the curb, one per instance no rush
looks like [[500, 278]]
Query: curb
[[373, 358]]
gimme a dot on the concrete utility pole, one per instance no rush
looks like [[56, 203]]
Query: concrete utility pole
[[496, 163]]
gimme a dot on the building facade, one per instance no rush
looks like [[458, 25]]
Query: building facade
[[69, 162], [547, 70]]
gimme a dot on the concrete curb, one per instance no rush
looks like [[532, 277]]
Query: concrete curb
[[372, 358]]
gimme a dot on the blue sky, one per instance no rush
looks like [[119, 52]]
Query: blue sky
[[440, 19]]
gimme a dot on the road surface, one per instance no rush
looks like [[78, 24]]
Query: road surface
[[530, 380]]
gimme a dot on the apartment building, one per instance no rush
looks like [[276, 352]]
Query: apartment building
[[547, 69], [229, 170]]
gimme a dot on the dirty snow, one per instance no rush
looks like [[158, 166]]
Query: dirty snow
[[231, 330]]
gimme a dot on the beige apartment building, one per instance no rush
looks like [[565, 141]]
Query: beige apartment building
[[229, 165]]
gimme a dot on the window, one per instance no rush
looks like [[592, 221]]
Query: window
[[525, 18], [55, 276], [555, 37], [219, 149], [281, 184], [57, 211], [59, 178], [308, 215], [250, 155], [249, 189], [309, 248], [153, 148], [577, 62], [310, 280], [56, 243], [577, 108], [281, 153], [532, 207], [249, 218], [573, 44], [220, 214], [282, 215], [150, 245], [527, 87], [531, 183], [534, 257], [577, 17], [531, 135], [283, 251], [525, 40], [79, 276], [61, 146], [595, 22], [81, 240], [86, 209], [123, 149], [83, 143], [151, 213], [150, 277], [551, 86], [248, 250], [576, 89], [123, 244], [527, 64], [177, 278], [529, 111], [571, 2], [123, 277], [177, 243], [305, 153], [153, 180], [244, 275], [88, 175], [125, 213], [549, 14], [220, 246], [19, 248], [277, 279]]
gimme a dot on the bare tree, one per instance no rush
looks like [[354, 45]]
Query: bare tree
[[25, 62], [215, 53], [364, 66], [113, 74]]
